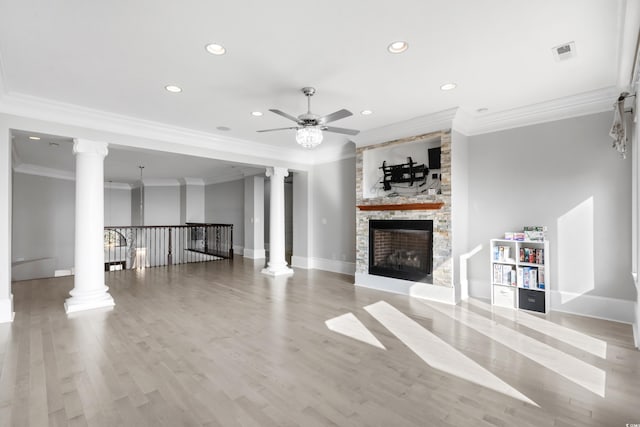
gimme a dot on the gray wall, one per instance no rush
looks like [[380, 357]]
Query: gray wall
[[300, 215], [564, 175], [117, 206], [194, 204], [333, 207], [162, 205], [224, 204], [43, 219], [135, 206]]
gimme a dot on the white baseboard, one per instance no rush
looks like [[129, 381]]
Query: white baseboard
[[446, 294], [301, 262], [6, 310], [254, 253], [335, 266], [237, 250], [636, 335], [615, 309]]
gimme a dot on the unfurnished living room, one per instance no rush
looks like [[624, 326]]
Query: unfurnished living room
[[417, 213]]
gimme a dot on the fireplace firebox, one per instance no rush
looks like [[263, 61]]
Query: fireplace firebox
[[402, 249]]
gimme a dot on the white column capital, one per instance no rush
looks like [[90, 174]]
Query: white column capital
[[277, 172], [81, 145]]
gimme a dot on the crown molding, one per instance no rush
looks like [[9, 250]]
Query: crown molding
[[191, 181], [117, 185], [29, 169], [160, 182], [582, 104], [189, 141], [224, 178], [416, 126]]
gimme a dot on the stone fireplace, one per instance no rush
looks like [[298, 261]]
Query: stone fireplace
[[422, 206]]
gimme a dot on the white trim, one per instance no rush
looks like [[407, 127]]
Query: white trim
[[191, 181], [29, 169], [582, 104], [73, 305], [224, 178], [416, 126], [238, 250], [254, 253], [335, 266], [161, 182], [301, 262], [190, 141], [426, 291], [14, 154], [6, 310], [117, 185], [615, 309]]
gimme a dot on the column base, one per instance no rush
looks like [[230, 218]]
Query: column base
[[74, 304], [277, 271], [6, 310]]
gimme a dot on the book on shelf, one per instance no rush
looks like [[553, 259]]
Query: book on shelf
[[506, 274], [533, 278], [502, 254], [497, 273], [541, 277]]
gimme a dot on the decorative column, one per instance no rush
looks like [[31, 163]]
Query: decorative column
[[277, 265], [89, 290]]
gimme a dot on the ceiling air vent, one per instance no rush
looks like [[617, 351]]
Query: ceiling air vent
[[564, 51]]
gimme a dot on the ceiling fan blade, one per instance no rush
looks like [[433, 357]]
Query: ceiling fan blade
[[271, 130], [340, 130], [340, 114], [283, 114]]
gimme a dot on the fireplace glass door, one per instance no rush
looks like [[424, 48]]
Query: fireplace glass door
[[402, 249]]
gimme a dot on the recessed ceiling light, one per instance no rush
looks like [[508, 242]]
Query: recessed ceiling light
[[223, 128], [215, 49], [482, 110], [256, 113], [448, 86], [398, 46], [173, 89], [366, 112], [35, 138]]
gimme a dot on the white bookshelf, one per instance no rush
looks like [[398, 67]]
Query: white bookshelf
[[527, 287]]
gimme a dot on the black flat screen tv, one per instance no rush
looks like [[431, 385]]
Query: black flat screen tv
[[434, 158]]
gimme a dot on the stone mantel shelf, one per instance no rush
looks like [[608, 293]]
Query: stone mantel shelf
[[402, 207]]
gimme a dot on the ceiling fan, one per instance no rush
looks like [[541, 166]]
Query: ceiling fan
[[310, 126]]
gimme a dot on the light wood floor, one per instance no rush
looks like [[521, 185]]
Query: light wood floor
[[218, 344]]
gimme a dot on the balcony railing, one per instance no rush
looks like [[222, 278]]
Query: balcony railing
[[154, 246]]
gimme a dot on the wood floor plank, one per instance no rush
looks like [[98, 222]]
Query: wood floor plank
[[219, 344]]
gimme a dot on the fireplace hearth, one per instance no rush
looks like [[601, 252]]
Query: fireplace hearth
[[401, 249]]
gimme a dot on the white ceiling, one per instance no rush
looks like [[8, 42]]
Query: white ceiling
[[117, 56]]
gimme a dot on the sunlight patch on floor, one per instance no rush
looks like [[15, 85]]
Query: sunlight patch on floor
[[349, 325], [570, 336], [571, 368], [436, 352]]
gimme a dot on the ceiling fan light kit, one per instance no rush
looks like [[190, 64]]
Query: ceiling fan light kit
[[309, 137], [310, 126]]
